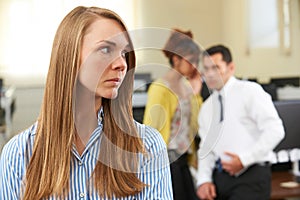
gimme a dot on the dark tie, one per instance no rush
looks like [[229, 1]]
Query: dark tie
[[221, 106]]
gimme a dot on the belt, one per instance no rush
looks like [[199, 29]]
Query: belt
[[263, 164], [219, 168]]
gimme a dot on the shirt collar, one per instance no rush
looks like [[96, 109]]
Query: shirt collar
[[226, 87], [100, 116], [229, 83], [94, 137]]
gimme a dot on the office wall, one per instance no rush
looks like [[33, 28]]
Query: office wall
[[27, 29], [211, 21], [260, 63], [202, 17], [215, 21], [28, 104]]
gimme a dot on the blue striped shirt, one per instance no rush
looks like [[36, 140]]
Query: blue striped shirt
[[154, 169]]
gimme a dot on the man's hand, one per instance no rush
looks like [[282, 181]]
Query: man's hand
[[234, 165], [206, 191]]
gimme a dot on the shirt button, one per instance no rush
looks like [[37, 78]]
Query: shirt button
[[81, 194], [80, 163]]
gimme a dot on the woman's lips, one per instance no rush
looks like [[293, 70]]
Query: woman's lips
[[115, 81]]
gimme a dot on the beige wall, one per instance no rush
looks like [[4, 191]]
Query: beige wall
[[216, 21], [211, 21], [3, 23], [260, 63], [202, 17]]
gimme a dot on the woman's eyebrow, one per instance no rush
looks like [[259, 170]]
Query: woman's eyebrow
[[107, 41], [128, 46], [113, 43]]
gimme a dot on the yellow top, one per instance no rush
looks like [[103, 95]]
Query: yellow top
[[161, 106]]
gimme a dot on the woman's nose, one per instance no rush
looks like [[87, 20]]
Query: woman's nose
[[119, 63]]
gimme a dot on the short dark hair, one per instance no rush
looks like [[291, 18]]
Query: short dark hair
[[219, 49]]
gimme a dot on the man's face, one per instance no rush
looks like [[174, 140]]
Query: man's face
[[216, 71]]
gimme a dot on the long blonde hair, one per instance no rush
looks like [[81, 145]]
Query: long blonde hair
[[48, 171]]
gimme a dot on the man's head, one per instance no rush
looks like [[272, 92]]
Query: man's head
[[218, 66]]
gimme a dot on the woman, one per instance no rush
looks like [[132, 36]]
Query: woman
[[172, 108], [85, 143]]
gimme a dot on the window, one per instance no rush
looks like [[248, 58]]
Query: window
[[285, 26], [263, 24], [269, 24], [29, 29]]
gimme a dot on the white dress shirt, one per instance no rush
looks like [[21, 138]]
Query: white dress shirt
[[251, 127]]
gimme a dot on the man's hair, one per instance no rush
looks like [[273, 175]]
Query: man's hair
[[219, 49]]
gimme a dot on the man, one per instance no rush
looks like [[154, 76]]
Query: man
[[239, 127]]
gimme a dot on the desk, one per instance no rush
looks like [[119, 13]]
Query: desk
[[278, 192]]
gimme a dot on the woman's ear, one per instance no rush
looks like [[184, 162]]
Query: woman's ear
[[176, 61]]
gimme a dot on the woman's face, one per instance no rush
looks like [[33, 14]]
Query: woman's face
[[188, 65], [103, 64]]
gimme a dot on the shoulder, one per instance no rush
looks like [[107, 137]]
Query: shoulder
[[160, 93], [248, 86], [252, 95], [159, 86], [152, 139], [254, 92], [19, 146]]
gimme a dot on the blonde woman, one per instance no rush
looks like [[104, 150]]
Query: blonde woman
[[85, 143]]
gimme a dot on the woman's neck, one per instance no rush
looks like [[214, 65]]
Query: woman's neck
[[86, 108], [176, 83], [173, 76]]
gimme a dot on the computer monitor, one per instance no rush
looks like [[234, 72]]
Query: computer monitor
[[281, 82], [289, 112], [142, 82]]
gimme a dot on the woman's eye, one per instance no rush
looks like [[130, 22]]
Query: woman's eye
[[123, 53], [105, 50]]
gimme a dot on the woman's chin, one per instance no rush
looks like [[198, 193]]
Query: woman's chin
[[111, 95], [108, 94], [114, 95]]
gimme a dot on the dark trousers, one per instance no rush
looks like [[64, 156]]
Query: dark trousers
[[253, 184], [182, 182]]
